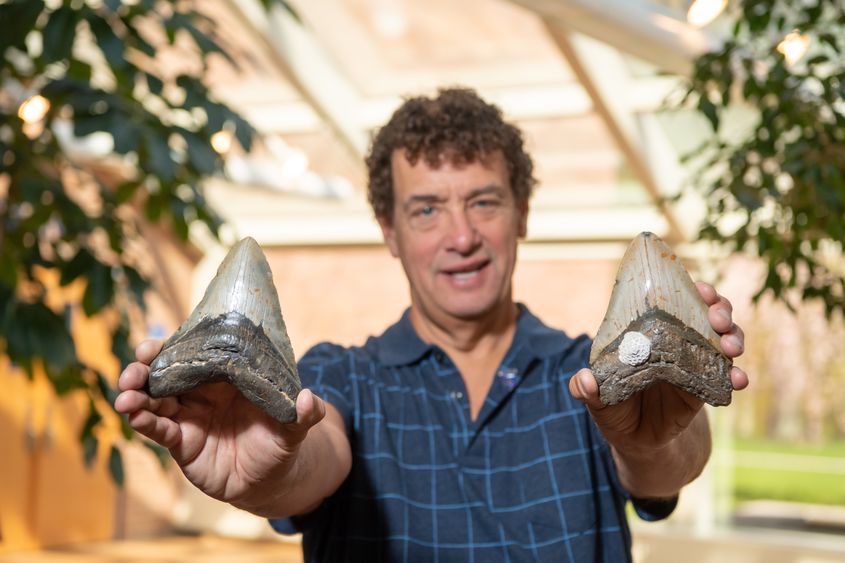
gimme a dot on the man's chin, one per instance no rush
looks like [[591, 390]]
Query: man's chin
[[468, 311]]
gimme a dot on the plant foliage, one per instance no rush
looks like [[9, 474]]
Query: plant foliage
[[779, 191], [99, 66]]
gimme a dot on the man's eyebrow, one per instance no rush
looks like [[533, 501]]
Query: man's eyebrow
[[490, 189]]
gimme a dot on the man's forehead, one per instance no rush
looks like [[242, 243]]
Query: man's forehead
[[448, 156]]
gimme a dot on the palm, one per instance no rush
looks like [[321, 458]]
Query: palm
[[650, 419], [228, 444]]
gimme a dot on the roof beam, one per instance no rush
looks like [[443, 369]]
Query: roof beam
[[632, 26], [604, 77], [309, 68]]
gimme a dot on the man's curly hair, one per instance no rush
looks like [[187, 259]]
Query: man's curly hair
[[456, 125]]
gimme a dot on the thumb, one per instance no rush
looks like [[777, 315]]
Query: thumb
[[310, 409], [584, 387]]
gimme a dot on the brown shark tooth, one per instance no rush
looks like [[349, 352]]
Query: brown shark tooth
[[656, 329], [235, 334]]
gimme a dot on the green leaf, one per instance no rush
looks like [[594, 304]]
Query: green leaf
[[110, 44], [16, 21], [126, 430], [244, 132], [268, 4], [137, 284], [8, 269], [155, 84], [134, 39], [177, 214], [158, 159], [108, 392], [200, 153], [94, 418], [122, 350], [100, 289], [81, 263], [126, 134], [65, 378], [709, 110], [58, 34], [116, 466], [89, 449], [32, 330], [204, 41], [86, 125], [114, 5], [79, 70], [125, 191]]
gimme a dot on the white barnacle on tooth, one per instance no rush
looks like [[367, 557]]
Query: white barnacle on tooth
[[634, 348]]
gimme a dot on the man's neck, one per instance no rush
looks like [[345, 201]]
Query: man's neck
[[467, 336], [476, 346]]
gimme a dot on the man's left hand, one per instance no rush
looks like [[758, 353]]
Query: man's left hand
[[654, 417]]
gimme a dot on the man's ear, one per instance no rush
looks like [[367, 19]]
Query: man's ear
[[389, 234], [522, 209]]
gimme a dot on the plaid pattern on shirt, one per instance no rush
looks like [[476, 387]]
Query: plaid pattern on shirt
[[530, 479]]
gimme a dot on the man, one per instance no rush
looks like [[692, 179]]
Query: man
[[468, 430]]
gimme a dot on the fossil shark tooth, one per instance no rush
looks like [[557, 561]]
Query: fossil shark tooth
[[235, 334], [656, 329]]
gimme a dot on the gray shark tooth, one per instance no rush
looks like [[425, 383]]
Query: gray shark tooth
[[656, 329], [235, 334]]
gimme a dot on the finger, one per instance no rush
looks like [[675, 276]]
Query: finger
[[133, 377], [708, 293], [148, 350], [310, 409], [159, 429], [733, 342], [720, 315], [132, 401], [739, 379], [583, 386]]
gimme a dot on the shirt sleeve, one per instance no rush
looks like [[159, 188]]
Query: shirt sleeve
[[325, 370], [650, 510]]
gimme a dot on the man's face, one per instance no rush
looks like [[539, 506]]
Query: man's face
[[455, 229]]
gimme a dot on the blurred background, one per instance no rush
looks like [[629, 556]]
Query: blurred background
[[140, 139]]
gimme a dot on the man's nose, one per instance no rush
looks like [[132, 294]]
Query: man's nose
[[464, 236]]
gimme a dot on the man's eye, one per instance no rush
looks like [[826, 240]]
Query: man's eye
[[485, 203], [426, 211]]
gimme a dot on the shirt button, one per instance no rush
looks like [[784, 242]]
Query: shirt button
[[457, 395]]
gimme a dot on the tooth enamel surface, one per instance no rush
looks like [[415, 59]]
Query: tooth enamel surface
[[657, 329], [634, 348], [651, 277], [235, 334]]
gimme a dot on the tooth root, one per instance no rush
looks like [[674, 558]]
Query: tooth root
[[655, 299], [236, 334]]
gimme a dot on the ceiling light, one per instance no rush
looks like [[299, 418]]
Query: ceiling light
[[221, 142], [33, 109], [793, 46], [702, 12]]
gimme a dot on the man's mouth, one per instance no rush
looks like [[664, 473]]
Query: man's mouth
[[462, 276], [467, 272]]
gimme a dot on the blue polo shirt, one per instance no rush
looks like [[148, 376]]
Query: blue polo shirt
[[530, 479]]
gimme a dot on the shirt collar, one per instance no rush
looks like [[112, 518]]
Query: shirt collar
[[400, 344]]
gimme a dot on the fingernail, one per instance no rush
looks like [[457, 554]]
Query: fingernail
[[724, 314]]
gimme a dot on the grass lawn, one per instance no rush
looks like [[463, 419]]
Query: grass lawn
[[790, 472]]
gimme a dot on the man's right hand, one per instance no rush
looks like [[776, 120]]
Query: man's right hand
[[232, 450]]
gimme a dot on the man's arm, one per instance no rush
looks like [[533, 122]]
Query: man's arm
[[233, 451], [660, 437]]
